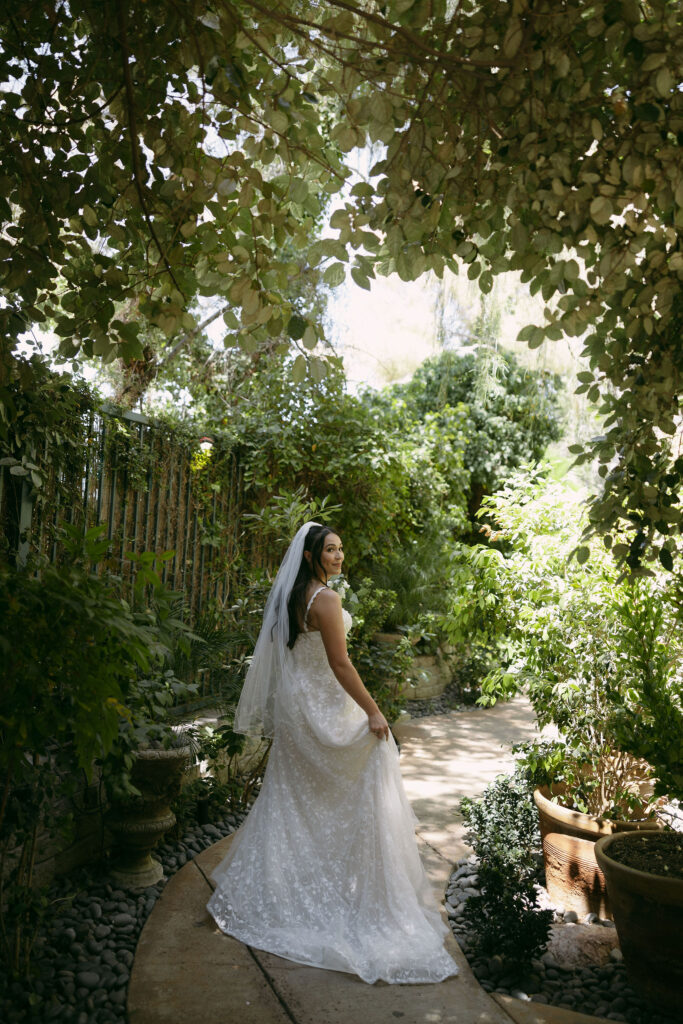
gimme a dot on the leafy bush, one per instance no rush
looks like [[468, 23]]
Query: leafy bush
[[503, 824], [510, 421], [383, 667], [558, 626], [230, 781], [506, 919], [384, 474], [649, 715], [88, 678], [503, 831], [71, 649]]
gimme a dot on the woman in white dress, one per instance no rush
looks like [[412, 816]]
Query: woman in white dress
[[325, 871]]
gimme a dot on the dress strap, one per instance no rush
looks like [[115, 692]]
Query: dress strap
[[311, 600]]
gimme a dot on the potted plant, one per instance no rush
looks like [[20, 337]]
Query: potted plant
[[588, 794], [644, 873]]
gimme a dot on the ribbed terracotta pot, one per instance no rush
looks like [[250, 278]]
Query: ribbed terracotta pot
[[648, 914], [573, 877]]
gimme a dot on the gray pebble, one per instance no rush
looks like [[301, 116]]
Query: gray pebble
[[88, 979], [571, 917], [122, 919]]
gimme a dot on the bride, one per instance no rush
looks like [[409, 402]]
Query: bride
[[325, 870]]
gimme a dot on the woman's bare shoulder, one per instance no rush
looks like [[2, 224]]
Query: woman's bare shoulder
[[326, 605], [328, 598]]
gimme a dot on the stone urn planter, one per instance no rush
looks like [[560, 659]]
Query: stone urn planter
[[430, 672], [138, 823], [432, 676], [648, 911], [573, 878]]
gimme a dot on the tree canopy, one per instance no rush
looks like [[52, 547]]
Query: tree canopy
[[511, 419], [157, 153]]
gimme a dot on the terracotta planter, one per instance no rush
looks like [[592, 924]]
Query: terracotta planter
[[648, 913], [139, 823], [573, 877]]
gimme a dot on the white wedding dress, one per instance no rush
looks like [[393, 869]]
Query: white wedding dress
[[325, 871]]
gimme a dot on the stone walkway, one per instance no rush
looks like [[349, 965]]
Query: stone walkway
[[187, 971]]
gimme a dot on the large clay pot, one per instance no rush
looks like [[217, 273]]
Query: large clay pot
[[573, 877], [648, 913], [140, 822]]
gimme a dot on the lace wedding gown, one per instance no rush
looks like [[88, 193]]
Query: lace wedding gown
[[325, 870]]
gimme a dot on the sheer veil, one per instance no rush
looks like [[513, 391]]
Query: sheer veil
[[255, 713]]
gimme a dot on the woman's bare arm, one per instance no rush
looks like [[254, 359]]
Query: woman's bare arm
[[326, 616]]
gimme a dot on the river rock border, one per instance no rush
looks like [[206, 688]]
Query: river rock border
[[450, 700], [85, 951], [600, 989]]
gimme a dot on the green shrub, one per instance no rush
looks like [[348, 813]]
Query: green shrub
[[503, 831], [649, 715], [383, 667], [503, 824], [574, 633], [509, 422], [505, 920]]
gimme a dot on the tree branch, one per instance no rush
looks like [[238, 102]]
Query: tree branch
[[189, 335]]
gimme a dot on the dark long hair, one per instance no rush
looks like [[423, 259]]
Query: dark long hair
[[296, 605]]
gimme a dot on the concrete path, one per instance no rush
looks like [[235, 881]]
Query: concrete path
[[187, 971]]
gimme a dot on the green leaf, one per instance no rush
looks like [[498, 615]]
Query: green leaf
[[310, 338], [335, 275], [296, 327], [601, 210], [299, 369], [666, 558], [360, 278]]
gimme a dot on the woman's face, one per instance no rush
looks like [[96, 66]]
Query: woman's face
[[332, 555]]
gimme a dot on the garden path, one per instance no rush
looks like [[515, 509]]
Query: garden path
[[186, 970]]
